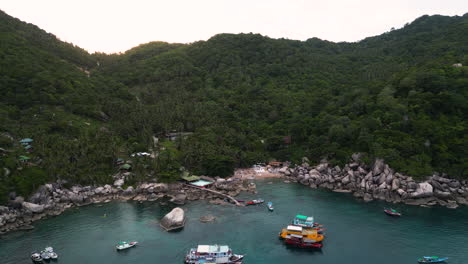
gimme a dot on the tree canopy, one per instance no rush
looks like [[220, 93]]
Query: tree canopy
[[246, 98]]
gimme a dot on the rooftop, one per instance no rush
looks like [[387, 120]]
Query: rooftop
[[190, 178], [212, 249], [22, 157], [305, 218], [201, 183], [294, 228], [125, 167]]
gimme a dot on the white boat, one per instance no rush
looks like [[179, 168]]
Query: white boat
[[270, 206], [254, 202], [51, 252], [213, 254], [36, 257], [124, 245], [45, 255]]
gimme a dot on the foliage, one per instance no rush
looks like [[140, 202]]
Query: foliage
[[246, 98]]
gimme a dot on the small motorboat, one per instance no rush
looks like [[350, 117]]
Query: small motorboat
[[432, 259], [392, 212], [45, 255], [124, 245], [270, 206], [51, 252], [254, 202], [36, 257]]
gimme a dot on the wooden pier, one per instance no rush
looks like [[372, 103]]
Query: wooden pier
[[218, 193]]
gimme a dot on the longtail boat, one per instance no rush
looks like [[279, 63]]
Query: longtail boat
[[432, 259], [392, 212]]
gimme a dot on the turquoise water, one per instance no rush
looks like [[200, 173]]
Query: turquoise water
[[357, 232]]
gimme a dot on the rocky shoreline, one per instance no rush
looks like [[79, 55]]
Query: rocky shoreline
[[380, 182], [53, 199], [377, 182]]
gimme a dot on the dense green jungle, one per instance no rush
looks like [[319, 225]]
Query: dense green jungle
[[233, 100]]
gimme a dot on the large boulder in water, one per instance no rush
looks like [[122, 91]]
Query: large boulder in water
[[173, 220]]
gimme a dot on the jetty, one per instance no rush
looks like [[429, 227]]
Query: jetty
[[216, 192]]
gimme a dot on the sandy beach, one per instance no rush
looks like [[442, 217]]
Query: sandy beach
[[255, 173]]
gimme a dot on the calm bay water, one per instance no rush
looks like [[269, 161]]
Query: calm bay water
[[357, 232]]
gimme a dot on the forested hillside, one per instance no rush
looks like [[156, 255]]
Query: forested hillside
[[401, 96]]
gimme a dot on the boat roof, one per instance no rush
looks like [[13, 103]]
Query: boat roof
[[294, 228], [305, 218], [212, 248], [201, 183]]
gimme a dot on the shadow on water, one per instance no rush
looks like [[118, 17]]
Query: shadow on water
[[297, 250]]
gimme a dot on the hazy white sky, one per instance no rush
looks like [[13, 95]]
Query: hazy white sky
[[118, 25]]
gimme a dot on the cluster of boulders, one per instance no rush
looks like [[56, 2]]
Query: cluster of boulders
[[52, 199], [380, 182]]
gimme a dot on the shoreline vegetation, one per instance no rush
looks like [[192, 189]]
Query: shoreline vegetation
[[377, 182]]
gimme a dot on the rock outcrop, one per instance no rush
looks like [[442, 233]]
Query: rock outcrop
[[33, 208], [207, 218], [179, 199], [174, 220], [53, 199], [380, 182]]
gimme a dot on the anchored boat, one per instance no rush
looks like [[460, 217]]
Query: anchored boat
[[52, 254], [299, 241], [36, 257], [213, 254], [304, 221], [432, 259], [392, 212], [45, 255], [307, 222], [124, 245], [270, 206], [310, 234], [254, 202]]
